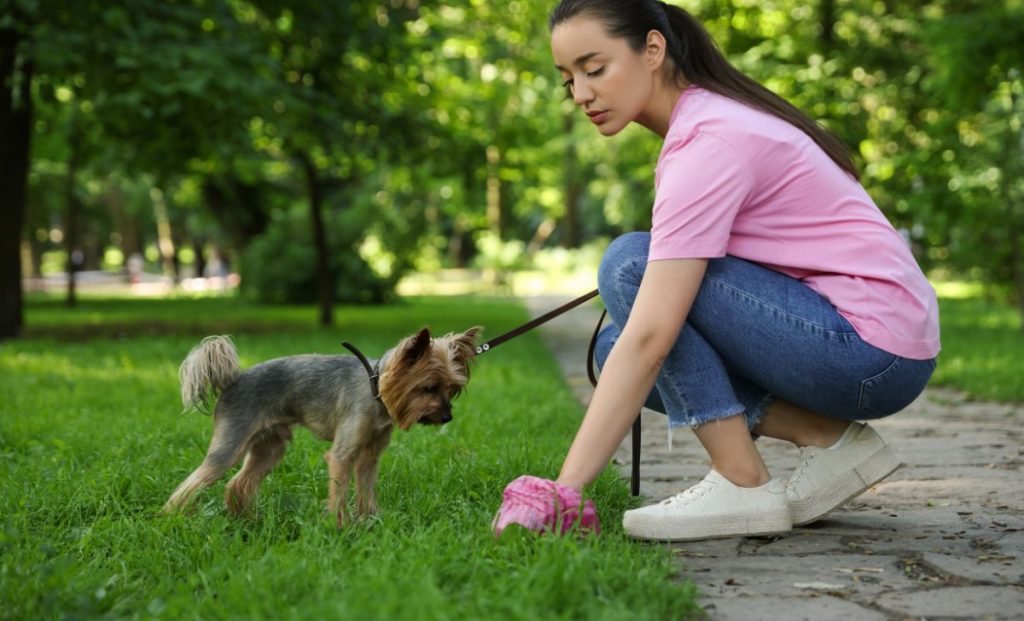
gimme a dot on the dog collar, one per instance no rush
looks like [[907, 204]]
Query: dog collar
[[373, 371]]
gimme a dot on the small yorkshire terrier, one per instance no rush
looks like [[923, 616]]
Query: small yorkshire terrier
[[331, 395]]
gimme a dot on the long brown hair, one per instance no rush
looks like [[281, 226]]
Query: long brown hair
[[697, 60]]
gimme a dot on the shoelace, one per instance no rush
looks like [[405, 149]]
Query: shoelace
[[807, 455], [686, 496]]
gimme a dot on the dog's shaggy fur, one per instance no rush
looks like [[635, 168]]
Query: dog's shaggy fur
[[332, 396]]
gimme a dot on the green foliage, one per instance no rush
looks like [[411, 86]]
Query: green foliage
[[164, 80], [500, 255], [92, 442], [446, 119], [280, 265]]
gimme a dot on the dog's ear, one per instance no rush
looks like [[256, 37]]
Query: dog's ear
[[415, 347], [465, 344]]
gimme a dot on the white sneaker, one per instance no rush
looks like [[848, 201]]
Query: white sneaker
[[713, 508], [828, 477]]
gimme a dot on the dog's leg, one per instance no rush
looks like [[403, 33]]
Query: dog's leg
[[366, 474], [228, 444], [340, 460], [265, 451]]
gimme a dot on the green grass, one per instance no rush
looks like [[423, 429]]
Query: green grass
[[982, 348], [92, 441]]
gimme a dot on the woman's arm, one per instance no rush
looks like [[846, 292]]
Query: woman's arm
[[662, 303]]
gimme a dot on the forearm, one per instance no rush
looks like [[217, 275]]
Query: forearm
[[655, 321], [626, 380]]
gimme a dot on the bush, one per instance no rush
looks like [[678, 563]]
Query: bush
[[279, 266]]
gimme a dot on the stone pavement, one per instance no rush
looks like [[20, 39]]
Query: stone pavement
[[942, 538]]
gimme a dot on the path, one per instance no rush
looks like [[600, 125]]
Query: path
[[943, 537]]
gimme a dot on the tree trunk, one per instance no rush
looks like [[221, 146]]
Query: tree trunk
[[165, 243], [15, 140], [200, 261], [494, 215], [238, 207], [72, 216], [828, 25], [29, 267], [1017, 268], [30, 237], [540, 236], [1014, 141], [324, 280]]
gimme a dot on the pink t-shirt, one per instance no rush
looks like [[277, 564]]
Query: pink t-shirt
[[734, 180]]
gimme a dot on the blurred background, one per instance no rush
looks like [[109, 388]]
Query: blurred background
[[340, 152]]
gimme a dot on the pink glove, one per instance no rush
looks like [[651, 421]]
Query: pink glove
[[541, 505]]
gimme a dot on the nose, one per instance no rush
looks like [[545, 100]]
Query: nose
[[581, 93]]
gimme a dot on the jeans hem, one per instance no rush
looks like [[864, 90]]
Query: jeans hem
[[756, 413], [694, 422]]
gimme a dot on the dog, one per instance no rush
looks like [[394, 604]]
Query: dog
[[331, 395]]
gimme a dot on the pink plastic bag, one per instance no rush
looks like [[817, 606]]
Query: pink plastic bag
[[542, 506]]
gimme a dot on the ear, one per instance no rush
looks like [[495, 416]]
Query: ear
[[654, 53], [464, 345], [415, 347]]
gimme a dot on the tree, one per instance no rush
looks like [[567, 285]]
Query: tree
[[343, 99], [16, 71], [976, 70]]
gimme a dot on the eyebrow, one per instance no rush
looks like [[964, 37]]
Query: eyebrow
[[579, 61]]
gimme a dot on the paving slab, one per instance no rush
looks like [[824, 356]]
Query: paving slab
[[941, 538], [984, 602], [809, 608], [799, 575]]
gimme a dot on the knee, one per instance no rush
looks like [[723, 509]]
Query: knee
[[624, 253]]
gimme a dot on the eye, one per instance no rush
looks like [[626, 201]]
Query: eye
[[595, 72]]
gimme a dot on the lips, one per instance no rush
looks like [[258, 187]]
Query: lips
[[597, 116]]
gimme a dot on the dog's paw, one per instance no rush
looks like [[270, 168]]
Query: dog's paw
[[367, 509]]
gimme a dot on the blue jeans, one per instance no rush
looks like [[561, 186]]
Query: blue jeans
[[754, 335]]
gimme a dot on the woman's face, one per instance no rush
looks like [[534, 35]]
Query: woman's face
[[607, 78]]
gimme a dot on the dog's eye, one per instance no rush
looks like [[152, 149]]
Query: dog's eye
[[431, 388]]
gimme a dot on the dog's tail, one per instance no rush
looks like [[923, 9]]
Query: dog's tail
[[209, 368]]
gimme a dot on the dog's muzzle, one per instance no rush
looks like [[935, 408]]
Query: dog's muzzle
[[442, 418]]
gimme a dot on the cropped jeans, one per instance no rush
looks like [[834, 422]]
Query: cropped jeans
[[754, 335]]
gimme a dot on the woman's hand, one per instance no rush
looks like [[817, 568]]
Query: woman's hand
[[541, 505], [662, 303]]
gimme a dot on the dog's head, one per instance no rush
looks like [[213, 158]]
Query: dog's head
[[422, 375]]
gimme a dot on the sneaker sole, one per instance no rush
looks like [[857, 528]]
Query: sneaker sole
[[692, 529], [853, 483]]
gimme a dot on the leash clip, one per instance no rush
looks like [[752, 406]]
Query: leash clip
[[530, 325]]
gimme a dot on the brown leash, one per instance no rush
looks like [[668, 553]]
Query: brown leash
[[530, 325], [634, 479]]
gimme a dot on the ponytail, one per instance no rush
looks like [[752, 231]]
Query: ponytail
[[697, 60]]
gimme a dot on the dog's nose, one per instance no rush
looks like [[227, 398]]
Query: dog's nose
[[446, 417]]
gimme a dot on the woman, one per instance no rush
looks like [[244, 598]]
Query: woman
[[771, 297]]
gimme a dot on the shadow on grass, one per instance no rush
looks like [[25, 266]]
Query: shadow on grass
[[119, 318]]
